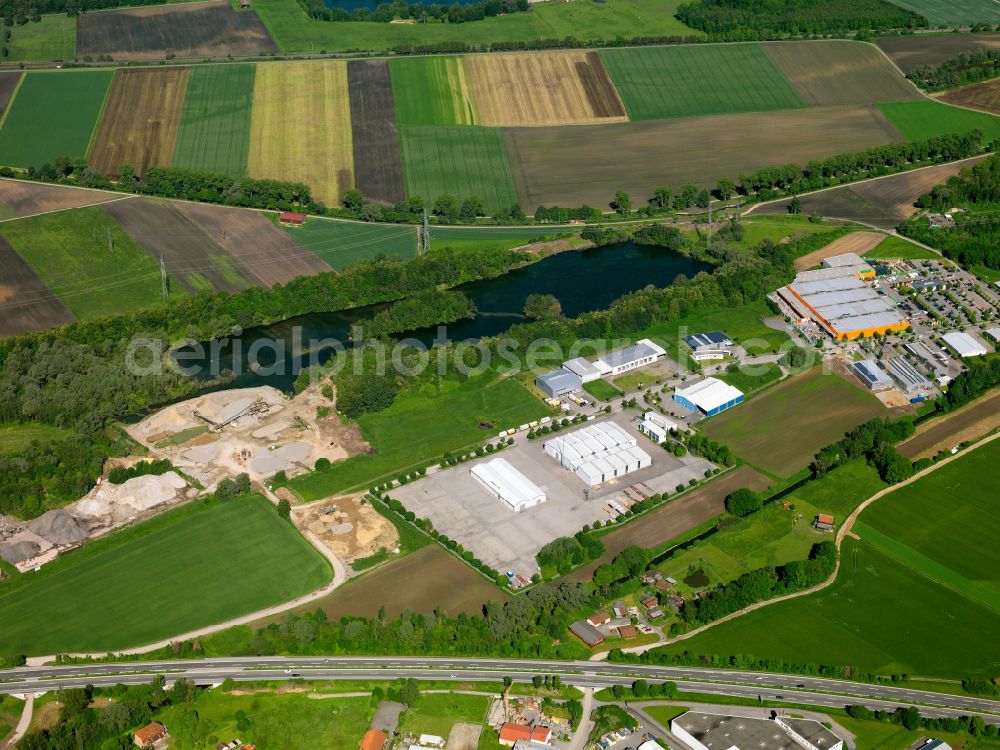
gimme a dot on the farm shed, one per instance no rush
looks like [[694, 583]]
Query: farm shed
[[558, 383], [587, 633], [598, 452], [374, 739], [586, 371], [501, 479], [964, 345], [640, 354], [823, 522], [150, 734], [872, 375], [709, 396], [292, 219]]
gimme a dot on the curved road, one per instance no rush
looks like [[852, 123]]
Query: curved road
[[817, 691]]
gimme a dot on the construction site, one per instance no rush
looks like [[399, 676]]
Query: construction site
[[348, 526], [257, 431]]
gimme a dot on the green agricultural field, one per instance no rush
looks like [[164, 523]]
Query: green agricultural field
[[342, 244], [660, 82], [897, 247], [923, 119], [881, 592], [602, 390], [459, 161], [438, 713], [196, 554], [69, 251], [782, 429], [948, 12], [279, 721], [294, 31], [33, 134], [422, 425], [840, 491], [214, 132], [752, 378], [52, 38], [431, 91], [488, 238], [15, 437], [757, 228], [959, 497]]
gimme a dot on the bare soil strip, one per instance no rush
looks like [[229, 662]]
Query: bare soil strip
[[944, 433], [8, 83], [266, 252], [982, 96], [26, 304], [909, 52], [855, 242], [378, 160], [31, 198], [140, 120]]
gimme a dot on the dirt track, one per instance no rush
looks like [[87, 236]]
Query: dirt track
[[140, 120]]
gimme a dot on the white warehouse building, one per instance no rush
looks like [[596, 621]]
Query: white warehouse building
[[964, 345], [643, 352], [598, 452], [503, 481]]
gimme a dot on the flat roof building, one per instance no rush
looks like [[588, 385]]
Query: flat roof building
[[598, 452], [844, 306], [872, 375], [580, 367], [993, 333], [709, 396], [558, 383], [702, 731], [964, 345], [640, 354], [710, 340], [907, 377], [507, 484], [657, 427]]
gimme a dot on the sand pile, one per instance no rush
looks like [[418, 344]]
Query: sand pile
[[120, 502], [59, 527]]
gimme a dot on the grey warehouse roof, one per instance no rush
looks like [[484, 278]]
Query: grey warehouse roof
[[719, 732], [558, 379], [712, 338], [629, 354]]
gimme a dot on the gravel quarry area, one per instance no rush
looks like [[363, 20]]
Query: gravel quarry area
[[348, 527], [259, 431]]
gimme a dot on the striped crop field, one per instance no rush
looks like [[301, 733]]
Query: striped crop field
[[431, 91], [214, 133], [300, 129], [53, 114], [712, 79], [458, 161]]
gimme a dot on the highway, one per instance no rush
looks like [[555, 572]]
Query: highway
[[814, 691]]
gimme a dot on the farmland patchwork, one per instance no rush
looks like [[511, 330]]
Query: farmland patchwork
[[378, 164]]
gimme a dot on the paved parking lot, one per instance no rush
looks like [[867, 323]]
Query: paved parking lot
[[461, 508]]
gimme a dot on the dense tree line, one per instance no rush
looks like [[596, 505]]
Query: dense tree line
[[873, 440], [759, 585], [568, 552], [109, 727], [769, 182], [417, 11], [766, 19], [432, 307], [975, 237], [155, 467], [457, 46], [970, 385], [963, 69], [911, 719]]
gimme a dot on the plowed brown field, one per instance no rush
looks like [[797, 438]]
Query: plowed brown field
[[549, 88], [933, 49], [586, 164], [984, 96], [855, 242], [378, 161], [140, 120], [944, 433], [30, 198], [263, 250], [26, 304], [8, 83], [212, 29]]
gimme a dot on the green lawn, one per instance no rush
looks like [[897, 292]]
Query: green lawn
[[52, 38], [185, 569], [947, 12], [840, 491], [487, 238], [885, 613], [922, 119], [343, 243], [660, 82], [897, 247], [782, 429], [54, 114], [756, 229], [14, 437], [602, 390], [430, 91], [294, 31], [422, 425], [459, 161], [214, 133], [69, 251], [278, 721], [752, 377], [438, 713]]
